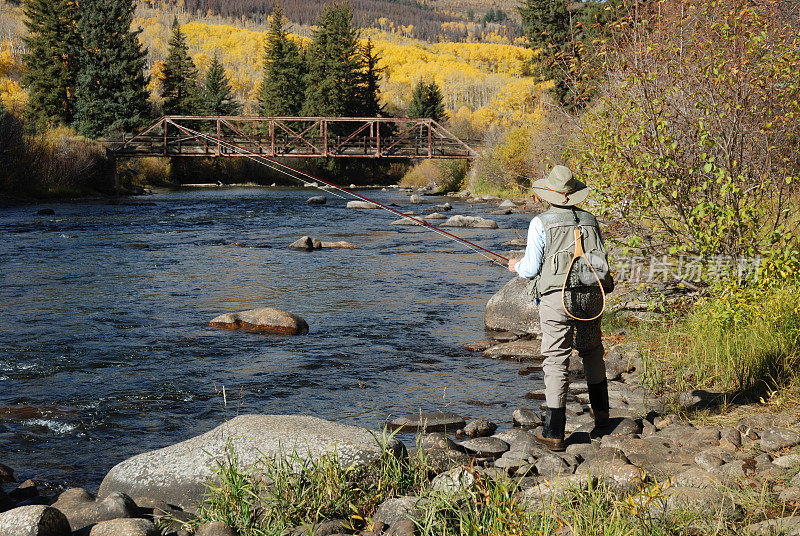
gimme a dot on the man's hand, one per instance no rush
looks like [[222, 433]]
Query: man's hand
[[512, 265]]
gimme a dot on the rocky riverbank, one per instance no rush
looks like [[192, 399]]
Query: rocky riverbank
[[659, 464]]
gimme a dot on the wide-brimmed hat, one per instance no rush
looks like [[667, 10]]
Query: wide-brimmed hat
[[561, 188]]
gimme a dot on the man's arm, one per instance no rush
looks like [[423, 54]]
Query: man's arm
[[531, 263]]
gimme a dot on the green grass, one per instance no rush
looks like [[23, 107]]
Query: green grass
[[737, 341], [283, 492]]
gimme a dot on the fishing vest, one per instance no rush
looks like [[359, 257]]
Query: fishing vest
[[559, 224]]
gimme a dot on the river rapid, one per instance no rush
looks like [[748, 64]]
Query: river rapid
[[105, 349]]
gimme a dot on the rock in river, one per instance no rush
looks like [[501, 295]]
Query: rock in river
[[306, 243], [341, 244], [431, 422], [317, 200], [512, 309], [265, 319], [470, 221], [177, 474], [361, 204]]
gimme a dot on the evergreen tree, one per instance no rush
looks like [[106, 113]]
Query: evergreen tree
[[179, 79], [112, 87], [370, 81], [51, 60], [547, 26], [335, 65], [427, 101], [282, 90], [217, 93]]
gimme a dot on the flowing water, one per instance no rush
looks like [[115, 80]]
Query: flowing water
[[105, 349]]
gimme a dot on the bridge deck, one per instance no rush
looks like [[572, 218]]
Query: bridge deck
[[300, 137]]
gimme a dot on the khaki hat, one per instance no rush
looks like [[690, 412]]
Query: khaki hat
[[561, 188]]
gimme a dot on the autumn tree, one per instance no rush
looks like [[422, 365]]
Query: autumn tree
[[427, 101], [335, 65], [111, 87], [179, 78], [282, 90], [217, 98], [51, 60]]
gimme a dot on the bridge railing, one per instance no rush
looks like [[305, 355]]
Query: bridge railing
[[299, 137]]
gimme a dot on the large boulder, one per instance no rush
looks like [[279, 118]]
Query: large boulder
[[34, 521], [264, 319], [177, 474], [513, 309]]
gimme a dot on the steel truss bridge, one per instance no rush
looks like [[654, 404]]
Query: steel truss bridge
[[296, 137]]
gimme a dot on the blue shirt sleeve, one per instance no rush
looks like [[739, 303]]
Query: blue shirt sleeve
[[531, 263]]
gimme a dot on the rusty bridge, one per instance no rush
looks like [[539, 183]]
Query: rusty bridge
[[297, 137]]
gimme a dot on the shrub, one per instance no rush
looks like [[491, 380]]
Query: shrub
[[443, 175], [696, 133]]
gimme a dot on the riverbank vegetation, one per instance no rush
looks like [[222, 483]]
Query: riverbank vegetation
[[280, 494]]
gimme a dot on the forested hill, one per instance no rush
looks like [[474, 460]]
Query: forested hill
[[426, 21]]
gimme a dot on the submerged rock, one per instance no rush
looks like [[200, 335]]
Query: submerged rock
[[177, 474], [317, 200], [341, 244], [405, 221], [264, 319], [474, 222], [46, 212], [435, 216], [512, 309], [523, 351], [431, 422]]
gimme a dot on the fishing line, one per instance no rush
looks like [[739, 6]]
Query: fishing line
[[292, 172]]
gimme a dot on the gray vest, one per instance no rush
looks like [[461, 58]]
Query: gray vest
[[559, 224]]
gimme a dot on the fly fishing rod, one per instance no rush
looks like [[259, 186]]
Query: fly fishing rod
[[298, 175]]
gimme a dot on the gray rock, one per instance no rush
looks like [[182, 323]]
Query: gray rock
[[507, 204], [361, 205], [328, 527], [215, 528], [34, 521], [544, 493], [415, 199], [306, 243], [453, 482], [392, 511], [485, 447], [82, 510], [435, 216], [406, 221], [405, 527], [618, 475], [5, 502], [704, 502], [479, 428], [317, 200], [551, 465], [265, 319], [708, 460], [512, 309], [787, 526], [779, 438], [732, 436], [177, 474], [763, 421], [526, 417], [26, 490], [431, 422], [787, 461], [513, 435], [522, 351], [473, 222], [125, 527], [695, 477]]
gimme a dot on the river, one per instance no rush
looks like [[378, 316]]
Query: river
[[105, 349]]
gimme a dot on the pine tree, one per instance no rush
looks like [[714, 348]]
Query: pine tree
[[217, 93], [370, 81], [427, 101], [179, 79], [51, 61], [282, 90], [112, 87], [547, 26], [335, 66]]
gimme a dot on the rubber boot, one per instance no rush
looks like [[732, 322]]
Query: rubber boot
[[598, 398], [552, 434]]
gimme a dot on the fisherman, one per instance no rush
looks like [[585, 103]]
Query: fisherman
[[552, 242]]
